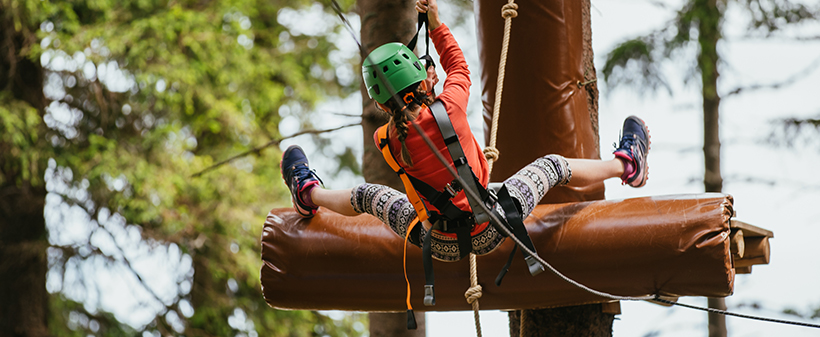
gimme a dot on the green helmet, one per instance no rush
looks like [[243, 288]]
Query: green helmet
[[399, 65]]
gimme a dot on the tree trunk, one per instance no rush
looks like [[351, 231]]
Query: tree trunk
[[709, 34], [581, 321], [384, 21], [708, 59], [23, 263]]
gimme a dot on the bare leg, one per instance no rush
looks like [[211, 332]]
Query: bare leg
[[590, 171], [334, 200]]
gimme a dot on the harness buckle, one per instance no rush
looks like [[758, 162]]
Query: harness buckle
[[452, 190], [533, 265], [429, 295]]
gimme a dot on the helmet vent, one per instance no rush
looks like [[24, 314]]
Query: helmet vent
[[405, 56], [384, 70], [396, 62], [417, 64], [376, 89]]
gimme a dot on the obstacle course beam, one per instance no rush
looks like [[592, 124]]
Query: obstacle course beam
[[669, 245]]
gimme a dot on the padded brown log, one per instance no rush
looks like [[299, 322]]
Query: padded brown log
[[543, 110], [669, 245]]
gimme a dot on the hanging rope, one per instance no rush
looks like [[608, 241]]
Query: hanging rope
[[508, 12]]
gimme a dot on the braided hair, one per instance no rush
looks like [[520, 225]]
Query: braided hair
[[399, 118]]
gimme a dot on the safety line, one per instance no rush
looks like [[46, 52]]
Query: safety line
[[729, 313]]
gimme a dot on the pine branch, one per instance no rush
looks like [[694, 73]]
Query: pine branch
[[789, 81], [274, 142], [778, 37]]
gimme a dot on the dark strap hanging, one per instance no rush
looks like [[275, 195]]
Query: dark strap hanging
[[422, 21], [429, 274], [515, 223]]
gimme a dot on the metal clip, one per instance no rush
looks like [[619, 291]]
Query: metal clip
[[450, 190], [534, 266], [429, 295]]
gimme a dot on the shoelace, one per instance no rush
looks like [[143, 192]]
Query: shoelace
[[627, 142], [302, 172]]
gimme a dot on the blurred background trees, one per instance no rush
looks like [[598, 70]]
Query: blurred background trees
[[107, 109]]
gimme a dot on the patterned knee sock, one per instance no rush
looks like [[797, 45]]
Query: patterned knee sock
[[531, 183], [385, 203]]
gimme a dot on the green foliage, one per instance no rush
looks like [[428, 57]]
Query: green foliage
[[20, 139], [140, 95], [770, 16], [71, 319], [632, 63]]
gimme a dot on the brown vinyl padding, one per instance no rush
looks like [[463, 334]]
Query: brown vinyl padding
[[542, 105], [670, 245]]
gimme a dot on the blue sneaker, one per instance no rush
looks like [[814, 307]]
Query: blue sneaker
[[633, 148], [300, 179]]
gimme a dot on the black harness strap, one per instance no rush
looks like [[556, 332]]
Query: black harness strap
[[439, 199], [460, 161], [515, 223], [427, 261]]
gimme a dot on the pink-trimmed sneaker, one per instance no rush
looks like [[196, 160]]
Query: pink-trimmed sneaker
[[634, 147], [300, 179]]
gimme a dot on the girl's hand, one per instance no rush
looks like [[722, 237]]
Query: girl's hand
[[431, 8]]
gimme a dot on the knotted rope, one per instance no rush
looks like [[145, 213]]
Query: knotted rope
[[508, 12]]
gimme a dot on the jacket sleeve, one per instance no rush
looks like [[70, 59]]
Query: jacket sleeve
[[456, 88]]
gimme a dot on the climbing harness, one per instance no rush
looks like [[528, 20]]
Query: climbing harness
[[449, 218]]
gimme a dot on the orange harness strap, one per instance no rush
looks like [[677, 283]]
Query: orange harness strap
[[412, 194]]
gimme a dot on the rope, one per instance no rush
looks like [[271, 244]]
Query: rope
[[474, 293], [727, 313], [508, 12], [491, 153]]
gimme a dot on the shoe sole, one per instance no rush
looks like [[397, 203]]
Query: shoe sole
[[645, 164]]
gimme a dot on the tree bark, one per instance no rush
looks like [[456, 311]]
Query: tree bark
[[581, 321], [24, 301], [23, 262], [384, 21], [708, 59]]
